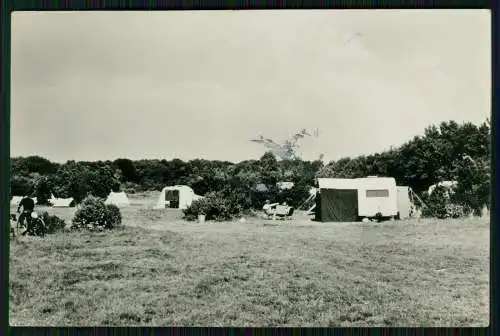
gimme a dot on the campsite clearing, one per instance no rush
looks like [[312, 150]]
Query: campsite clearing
[[159, 270]]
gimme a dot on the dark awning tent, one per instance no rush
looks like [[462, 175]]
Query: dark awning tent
[[337, 205], [347, 200], [337, 201]]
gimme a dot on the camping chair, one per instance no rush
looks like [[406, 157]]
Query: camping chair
[[272, 209], [283, 212]]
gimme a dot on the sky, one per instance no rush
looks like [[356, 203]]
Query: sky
[[187, 84]]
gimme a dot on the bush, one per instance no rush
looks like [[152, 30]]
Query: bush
[[441, 206], [94, 214], [455, 211], [214, 207], [436, 203], [53, 223]]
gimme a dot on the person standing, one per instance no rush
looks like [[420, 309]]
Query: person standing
[[28, 205]]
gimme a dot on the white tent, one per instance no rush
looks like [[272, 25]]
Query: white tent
[[119, 199], [261, 187], [178, 196], [404, 202], [285, 185], [60, 202], [17, 199], [449, 185]]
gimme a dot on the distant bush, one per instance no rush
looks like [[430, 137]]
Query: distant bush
[[214, 207], [455, 211], [440, 205], [53, 223], [94, 214], [436, 203]]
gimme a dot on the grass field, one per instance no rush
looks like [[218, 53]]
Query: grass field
[[161, 271]]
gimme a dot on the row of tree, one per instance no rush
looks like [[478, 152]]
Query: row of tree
[[449, 151]]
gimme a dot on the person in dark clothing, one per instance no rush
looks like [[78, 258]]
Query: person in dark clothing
[[28, 206]]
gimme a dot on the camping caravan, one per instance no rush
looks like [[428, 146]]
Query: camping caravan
[[177, 197], [347, 200], [119, 199]]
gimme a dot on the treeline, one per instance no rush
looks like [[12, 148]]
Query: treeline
[[449, 151], [446, 152], [253, 180]]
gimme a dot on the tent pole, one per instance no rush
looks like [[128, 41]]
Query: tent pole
[[307, 200], [418, 198]]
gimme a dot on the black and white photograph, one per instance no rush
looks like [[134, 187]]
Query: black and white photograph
[[263, 168]]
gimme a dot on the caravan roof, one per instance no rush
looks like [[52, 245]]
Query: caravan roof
[[337, 183], [357, 183]]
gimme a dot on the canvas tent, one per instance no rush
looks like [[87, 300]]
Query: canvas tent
[[404, 202], [448, 185], [61, 202], [261, 187], [17, 199], [285, 185], [119, 199], [178, 196], [345, 200]]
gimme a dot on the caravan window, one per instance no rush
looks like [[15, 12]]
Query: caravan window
[[377, 193]]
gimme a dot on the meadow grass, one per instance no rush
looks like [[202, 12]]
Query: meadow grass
[[158, 270]]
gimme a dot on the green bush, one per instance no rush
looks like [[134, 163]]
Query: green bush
[[436, 203], [214, 207], [94, 214], [53, 223], [441, 206], [455, 211]]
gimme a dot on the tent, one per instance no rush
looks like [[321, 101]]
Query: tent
[[448, 185], [61, 202], [337, 200], [17, 199], [404, 202], [179, 196], [119, 199], [285, 185], [345, 200], [260, 187]]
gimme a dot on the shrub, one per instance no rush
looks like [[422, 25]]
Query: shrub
[[436, 203], [455, 211], [440, 205], [94, 214], [53, 223], [214, 207]]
